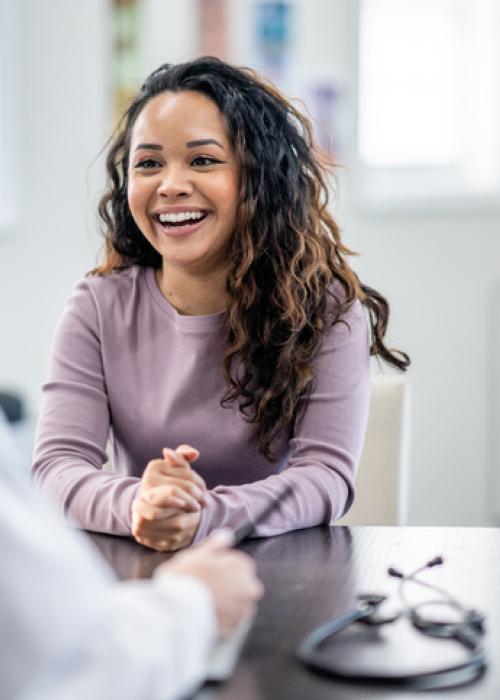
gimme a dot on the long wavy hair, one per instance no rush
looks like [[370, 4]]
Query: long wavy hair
[[286, 257]]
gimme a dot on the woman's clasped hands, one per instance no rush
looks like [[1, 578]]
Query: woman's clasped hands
[[167, 509]]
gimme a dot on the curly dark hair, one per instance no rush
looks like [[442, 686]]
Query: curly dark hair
[[287, 258]]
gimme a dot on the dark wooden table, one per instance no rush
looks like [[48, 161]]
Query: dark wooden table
[[312, 575]]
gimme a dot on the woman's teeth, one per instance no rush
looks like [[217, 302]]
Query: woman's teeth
[[181, 217]]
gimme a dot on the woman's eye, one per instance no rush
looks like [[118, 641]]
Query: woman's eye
[[147, 164], [204, 160]]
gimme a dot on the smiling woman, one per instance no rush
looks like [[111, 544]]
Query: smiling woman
[[183, 189], [224, 326]]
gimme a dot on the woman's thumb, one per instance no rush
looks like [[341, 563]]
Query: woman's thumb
[[188, 452]]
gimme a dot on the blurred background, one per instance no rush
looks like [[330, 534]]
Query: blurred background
[[404, 94]]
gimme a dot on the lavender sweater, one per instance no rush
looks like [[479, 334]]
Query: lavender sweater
[[127, 367]]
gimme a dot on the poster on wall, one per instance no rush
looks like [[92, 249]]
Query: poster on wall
[[273, 37], [125, 24], [213, 16], [320, 97]]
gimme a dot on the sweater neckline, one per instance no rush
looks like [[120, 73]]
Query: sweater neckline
[[188, 322]]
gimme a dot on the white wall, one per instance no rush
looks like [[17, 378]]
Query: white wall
[[441, 274], [440, 271], [61, 84]]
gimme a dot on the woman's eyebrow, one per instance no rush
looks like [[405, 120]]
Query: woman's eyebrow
[[203, 142], [189, 144], [149, 146]]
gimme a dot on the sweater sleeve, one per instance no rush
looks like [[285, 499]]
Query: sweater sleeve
[[70, 447], [325, 447]]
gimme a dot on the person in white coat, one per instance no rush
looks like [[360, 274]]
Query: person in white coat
[[69, 629]]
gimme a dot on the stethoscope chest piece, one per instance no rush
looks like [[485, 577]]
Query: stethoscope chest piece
[[373, 601]]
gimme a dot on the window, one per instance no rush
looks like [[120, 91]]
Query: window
[[428, 99]]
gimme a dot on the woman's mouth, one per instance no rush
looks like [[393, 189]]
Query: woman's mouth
[[178, 223]]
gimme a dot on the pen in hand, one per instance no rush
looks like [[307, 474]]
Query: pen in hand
[[247, 528]]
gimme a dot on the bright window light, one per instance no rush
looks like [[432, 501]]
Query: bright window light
[[429, 76]]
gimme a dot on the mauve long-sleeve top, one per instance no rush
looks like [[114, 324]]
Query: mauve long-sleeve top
[[127, 367]]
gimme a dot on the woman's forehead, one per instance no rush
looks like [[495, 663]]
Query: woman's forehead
[[184, 113]]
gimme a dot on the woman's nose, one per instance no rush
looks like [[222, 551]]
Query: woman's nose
[[175, 183]]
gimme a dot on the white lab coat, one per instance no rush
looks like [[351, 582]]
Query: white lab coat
[[69, 630]]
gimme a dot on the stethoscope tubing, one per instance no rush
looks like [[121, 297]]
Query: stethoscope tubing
[[451, 676]]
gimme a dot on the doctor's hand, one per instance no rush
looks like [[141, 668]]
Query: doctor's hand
[[166, 510], [229, 575]]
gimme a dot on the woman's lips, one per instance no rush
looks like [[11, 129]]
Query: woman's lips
[[179, 231]]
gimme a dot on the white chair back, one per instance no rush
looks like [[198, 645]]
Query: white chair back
[[381, 482]]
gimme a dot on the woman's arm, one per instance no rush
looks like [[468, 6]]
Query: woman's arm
[[70, 447], [325, 448]]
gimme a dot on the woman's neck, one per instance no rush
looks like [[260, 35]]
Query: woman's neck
[[193, 295]]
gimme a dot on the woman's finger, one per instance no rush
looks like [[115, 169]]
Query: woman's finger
[[168, 469], [175, 524], [168, 534], [175, 458], [181, 488], [161, 497], [188, 452], [149, 511]]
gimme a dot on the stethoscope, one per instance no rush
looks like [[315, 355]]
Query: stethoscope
[[468, 630]]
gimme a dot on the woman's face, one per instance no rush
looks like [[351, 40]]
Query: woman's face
[[183, 180]]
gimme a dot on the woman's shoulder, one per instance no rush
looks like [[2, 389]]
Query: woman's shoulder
[[107, 295], [337, 307], [345, 320], [114, 281], [114, 286], [106, 304]]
